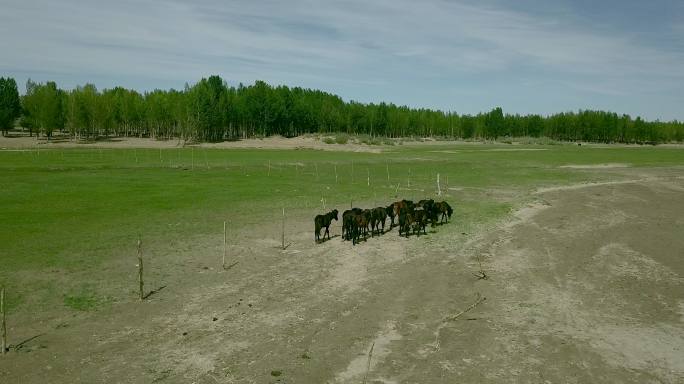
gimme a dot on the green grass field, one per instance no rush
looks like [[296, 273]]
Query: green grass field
[[77, 211]]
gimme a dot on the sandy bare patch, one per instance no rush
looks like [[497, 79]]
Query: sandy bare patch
[[658, 348], [300, 142], [525, 214], [622, 261], [583, 275], [589, 185]]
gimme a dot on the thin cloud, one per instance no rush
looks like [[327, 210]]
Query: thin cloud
[[369, 51]]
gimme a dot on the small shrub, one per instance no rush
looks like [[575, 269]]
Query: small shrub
[[329, 140], [368, 140], [342, 138]]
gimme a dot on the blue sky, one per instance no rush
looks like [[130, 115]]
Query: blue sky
[[467, 56]]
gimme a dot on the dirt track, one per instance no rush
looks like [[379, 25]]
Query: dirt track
[[586, 285]]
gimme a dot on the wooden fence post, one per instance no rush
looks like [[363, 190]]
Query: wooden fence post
[[352, 172], [439, 191], [283, 230], [140, 270], [224, 246], [3, 326]]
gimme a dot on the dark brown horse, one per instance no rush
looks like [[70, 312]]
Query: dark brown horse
[[360, 228], [404, 204], [349, 223], [323, 221]]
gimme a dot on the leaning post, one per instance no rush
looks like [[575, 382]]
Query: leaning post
[[140, 270], [283, 231], [224, 246], [439, 191], [3, 326]]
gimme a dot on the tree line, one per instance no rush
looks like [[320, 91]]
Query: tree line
[[211, 110]]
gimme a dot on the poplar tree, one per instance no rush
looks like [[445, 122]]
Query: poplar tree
[[10, 106]]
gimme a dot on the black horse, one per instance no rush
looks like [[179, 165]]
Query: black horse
[[389, 211], [323, 221], [420, 219], [431, 210], [405, 220], [378, 216]]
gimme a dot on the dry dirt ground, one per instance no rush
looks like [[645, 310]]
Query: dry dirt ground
[[23, 141], [586, 285], [20, 141]]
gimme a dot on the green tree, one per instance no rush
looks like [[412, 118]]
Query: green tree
[[51, 113], [43, 107], [10, 106], [210, 110]]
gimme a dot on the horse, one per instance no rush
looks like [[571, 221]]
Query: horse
[[399, 205], [348, 222], [405, 221], [389, 211], [323, 221], [420, 218], [444, 209], [430, 210], [378, 216], [360, 225]]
